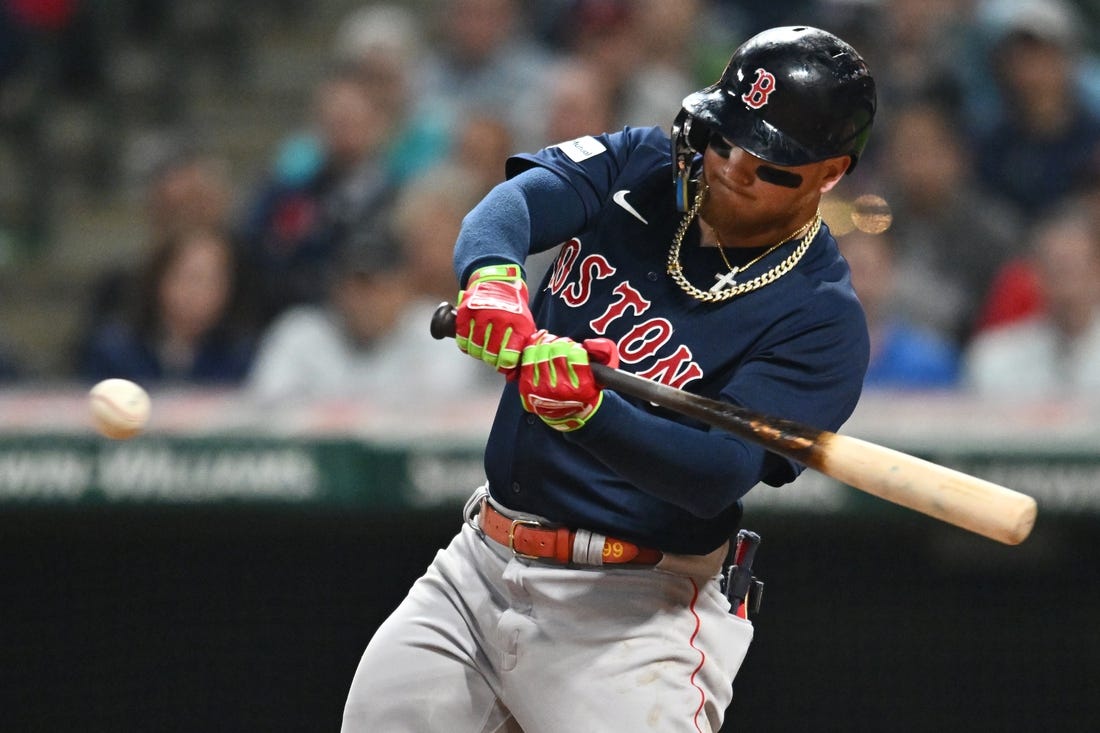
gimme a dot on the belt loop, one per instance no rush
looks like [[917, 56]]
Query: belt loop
[[588, 547], [471, 511]]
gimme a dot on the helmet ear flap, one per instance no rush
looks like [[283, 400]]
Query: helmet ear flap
[[689, 138], [689, 133], [698, 134]]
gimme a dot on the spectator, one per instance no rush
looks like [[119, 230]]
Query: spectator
[[186, 189], [993, 17], [189, 188], [330, 349], [383, 44], [1045, 132], [412, 356], [182, 326], [427, 218], [482, 144], [603, 35], [486, 63], [951, 238], [922, 46], [301, 218], [1055, 353], [903, 355], [666, 35], [370, 339], [579, 102], [1013, 294]]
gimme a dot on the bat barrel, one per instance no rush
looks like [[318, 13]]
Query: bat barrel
[[951, 496]]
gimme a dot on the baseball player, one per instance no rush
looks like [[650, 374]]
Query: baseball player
[[583, 591]]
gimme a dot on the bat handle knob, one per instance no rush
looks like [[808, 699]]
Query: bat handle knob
[[443, 321]]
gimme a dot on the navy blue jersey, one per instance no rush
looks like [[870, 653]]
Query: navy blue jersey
[[795, 348]]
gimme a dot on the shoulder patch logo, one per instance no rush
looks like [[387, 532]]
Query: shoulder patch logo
[[757, 95], [582, 148]]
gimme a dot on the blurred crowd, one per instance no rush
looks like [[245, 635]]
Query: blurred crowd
[[978, 260]]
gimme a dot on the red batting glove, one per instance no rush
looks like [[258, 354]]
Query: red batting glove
[[603, 351], [556, 382], [493, 321]]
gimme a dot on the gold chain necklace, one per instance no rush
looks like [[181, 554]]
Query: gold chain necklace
[[808, 232]]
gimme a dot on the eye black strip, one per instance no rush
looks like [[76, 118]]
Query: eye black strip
[[778, 177]]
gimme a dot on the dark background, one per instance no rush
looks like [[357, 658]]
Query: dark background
[[250, 619]]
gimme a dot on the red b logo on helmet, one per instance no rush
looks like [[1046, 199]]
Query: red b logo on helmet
[[757, 96]]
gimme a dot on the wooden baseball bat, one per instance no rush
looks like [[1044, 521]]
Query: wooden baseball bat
[[951, 496]]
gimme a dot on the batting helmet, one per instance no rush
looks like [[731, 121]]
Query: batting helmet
[[790, 96]]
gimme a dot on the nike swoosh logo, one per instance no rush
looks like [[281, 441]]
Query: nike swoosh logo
[[619, 197]]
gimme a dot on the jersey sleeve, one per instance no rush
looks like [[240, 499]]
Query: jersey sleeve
[[591, 165], [549, 197]]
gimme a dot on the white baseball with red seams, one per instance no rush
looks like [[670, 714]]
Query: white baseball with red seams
[[120, 408]]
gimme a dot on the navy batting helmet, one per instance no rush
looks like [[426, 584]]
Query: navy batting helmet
[[790, 96]]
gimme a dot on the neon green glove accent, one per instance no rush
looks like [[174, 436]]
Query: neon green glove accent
[[556, 382], [493, 320]]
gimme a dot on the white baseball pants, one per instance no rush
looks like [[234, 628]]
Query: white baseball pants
[[487, 642]]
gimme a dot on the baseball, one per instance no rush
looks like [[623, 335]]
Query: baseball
[[119, 407]]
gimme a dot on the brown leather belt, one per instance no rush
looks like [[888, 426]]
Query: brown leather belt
[[531, 540]]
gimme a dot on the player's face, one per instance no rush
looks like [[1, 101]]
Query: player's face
[[751, 200]]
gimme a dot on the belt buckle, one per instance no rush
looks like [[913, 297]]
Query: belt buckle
[[512, 537]]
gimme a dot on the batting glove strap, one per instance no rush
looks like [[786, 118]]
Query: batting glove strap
[[493, 320], [574, 422], [556, 382], [506, 273]]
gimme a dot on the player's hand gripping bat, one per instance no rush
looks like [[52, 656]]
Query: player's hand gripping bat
[[951, 496]]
